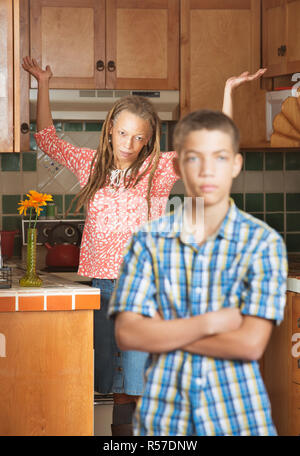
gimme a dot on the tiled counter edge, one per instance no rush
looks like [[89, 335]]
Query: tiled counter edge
[[56, 295]]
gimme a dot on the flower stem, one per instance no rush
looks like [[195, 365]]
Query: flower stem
[[36, 215], [30, 212]]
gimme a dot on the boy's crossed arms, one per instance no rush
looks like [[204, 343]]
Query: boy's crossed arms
[[221, 334]]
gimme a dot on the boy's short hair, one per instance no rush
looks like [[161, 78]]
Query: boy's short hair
[[208, 120]]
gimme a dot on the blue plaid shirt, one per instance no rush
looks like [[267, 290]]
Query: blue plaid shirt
[[245, 266]]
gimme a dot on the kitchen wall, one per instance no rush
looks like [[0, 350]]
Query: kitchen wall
[[268, 186]]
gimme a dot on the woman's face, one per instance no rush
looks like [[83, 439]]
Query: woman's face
[[129, 134]]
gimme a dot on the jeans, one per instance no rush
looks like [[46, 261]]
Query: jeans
[[116, 371]]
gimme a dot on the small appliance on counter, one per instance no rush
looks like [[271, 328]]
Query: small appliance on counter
[[58, 243]]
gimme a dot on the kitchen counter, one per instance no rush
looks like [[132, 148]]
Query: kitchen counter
[[57, 293], [47, 357]]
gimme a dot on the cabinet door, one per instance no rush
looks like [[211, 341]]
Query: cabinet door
[[295, 378], [293, 36], [69, 35], [142, 44], [274, 36], [219, 40], [6, 76]]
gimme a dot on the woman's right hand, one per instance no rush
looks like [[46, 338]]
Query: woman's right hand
[[29, 64]]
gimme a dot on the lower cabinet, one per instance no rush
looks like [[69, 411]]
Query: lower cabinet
[[281, 370], [46, 373]]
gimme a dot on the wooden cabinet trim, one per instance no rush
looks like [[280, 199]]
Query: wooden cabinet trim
[[216, 4], [153, 4], [17, 85], [278, 68], [6, 80], [24, 76]]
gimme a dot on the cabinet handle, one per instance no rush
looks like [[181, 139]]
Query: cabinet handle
[[111, 66], [281, 50], [100, 65], [24, 128]]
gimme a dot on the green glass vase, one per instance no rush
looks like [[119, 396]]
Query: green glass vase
[[31, 279]]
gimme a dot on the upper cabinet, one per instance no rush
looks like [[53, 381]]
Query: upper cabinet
[[220, 39], [14, 100], [281, 36], [113, 44], [6, 77]]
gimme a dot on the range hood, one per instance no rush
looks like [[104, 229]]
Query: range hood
[[94, 104]]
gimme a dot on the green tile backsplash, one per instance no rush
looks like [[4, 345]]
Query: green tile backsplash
[[278, 204], [274, 202], [10, 204], [254, 202], [33, 145], [93, 126], [293, 201], [73, 126], [293, 242], [254, 161], [29, 161], [292, 161], [238, 199], [58, 200], [11, 222], [293, 222], [276, 221], [68, 199], [274, 161], [10, 162], [258, 215]]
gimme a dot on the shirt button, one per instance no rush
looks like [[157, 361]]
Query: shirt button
[[200, 381], [198, 290]]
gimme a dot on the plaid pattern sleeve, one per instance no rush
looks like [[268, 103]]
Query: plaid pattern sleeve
[[266, 282], [135, 288]]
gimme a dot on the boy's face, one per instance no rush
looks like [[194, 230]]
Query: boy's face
[[207, 165]]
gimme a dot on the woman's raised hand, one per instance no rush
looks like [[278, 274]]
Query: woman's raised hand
[[236, 81], [29, 64]]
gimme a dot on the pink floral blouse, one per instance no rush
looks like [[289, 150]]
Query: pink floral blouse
[[112, 215]]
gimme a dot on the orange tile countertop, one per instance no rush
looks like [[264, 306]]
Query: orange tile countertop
[[57, 293]]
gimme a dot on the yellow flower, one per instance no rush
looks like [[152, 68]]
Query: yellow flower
[[39, 199], [35, 201], [24, 205]]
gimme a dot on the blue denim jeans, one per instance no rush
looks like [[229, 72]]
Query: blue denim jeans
[[116, 371]]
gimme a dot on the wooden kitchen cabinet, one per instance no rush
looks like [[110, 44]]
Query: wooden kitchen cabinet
[[113, 44], [281, 369], [14, 90], [281, 36], [219, 40]]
